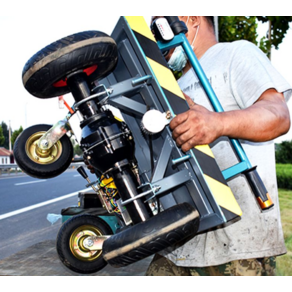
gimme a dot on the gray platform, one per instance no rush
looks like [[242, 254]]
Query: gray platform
[[42, 260]]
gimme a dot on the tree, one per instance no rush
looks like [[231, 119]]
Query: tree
[[5, 143], [76, 148], [284, 152], [2, 138], [278, 27], [232, 28], [15, 134]]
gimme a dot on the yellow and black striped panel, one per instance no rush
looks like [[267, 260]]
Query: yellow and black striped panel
[[205, 158]]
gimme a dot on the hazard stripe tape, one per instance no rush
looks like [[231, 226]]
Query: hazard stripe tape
[[211, 172], [206, 163], [223, 195], [150, 49]]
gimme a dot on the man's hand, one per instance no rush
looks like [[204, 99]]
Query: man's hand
[[265, 120], [197, 126]]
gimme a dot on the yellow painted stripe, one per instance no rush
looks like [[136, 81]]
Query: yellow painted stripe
[[205, 149], [165, 78], [139, 24], [223, 195]]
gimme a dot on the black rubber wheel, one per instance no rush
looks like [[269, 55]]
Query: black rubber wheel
[[70, 249], [167, 228], [44, 75], [46, 164]]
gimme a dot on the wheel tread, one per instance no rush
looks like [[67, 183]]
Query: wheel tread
[[40, 73], [118, 256]]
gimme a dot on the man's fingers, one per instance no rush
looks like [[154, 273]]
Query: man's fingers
[[190, 102], [179, 131], [179, 119]]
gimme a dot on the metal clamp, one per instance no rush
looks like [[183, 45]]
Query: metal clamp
[[93, 96], [153, 190]]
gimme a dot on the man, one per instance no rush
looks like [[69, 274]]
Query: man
[[253, 95]]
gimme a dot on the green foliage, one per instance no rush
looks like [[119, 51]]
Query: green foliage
[[279, 28], [284, 152], [2, 138], [284, 176], [77, 150], [232, 28], [15, 134], [5, 143], [284, 263]]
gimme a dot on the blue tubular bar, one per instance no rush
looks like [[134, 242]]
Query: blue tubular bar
[[235, 169], [182, 40], [181, 159], [141, 80]]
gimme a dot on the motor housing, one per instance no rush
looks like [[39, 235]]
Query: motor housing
[[106, 141]]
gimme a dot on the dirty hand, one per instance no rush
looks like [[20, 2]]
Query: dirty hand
[[197, 126]]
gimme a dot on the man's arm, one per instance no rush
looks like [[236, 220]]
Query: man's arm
[[267, 119]]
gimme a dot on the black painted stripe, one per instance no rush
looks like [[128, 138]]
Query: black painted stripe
[[230, 216], [209, 166], [151, 49], [177, 104]]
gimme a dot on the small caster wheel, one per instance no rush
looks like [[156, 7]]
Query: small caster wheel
[[42, 164], [70, 248]]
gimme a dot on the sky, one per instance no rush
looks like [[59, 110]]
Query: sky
[[27, 28]]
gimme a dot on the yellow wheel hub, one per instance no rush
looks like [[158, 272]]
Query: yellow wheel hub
[[76, 243], [42, 156]]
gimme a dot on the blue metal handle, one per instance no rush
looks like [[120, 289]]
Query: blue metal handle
[[183, 41]]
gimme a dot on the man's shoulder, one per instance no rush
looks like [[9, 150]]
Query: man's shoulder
[[244, 45], [244, 50], [232, 47]]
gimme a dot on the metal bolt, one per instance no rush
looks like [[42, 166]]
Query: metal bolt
[[89, 242], [168, 115], [44, 144]]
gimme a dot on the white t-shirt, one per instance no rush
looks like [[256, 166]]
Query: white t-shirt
[[239, 73]]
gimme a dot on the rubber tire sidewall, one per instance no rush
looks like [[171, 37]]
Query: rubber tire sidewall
[[42, 171], [132, 245], [63, 248], [53, 63]]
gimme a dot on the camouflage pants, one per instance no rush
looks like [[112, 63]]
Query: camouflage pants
[[161, 266]]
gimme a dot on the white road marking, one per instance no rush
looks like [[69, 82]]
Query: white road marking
[[19, 211], [30, 182]]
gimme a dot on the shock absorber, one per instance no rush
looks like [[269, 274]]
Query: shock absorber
[[108, 146]]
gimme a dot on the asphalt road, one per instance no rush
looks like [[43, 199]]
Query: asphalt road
[[25, 203]]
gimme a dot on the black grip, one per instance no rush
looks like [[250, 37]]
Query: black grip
[[176, 25], [82, 171], [259, 189]]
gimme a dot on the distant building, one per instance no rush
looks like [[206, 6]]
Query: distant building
[[6, 156]]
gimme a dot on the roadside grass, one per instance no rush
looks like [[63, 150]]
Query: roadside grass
[[284, 263], [284, 176]]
